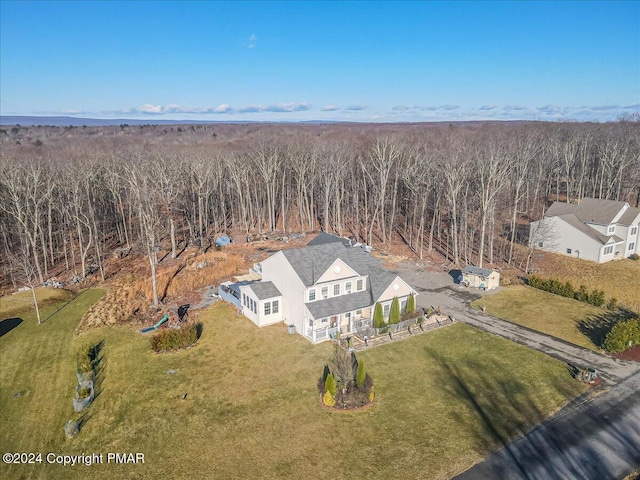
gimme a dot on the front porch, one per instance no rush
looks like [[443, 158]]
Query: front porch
[[344, 324]]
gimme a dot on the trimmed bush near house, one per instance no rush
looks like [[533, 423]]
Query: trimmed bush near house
[[394, 314], [634, 256], [623, 336], [378, 316], [411, 304], [175, 339]]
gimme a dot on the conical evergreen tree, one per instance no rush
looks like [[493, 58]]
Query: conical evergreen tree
[[394, 315], [378, 317], [411, 304]]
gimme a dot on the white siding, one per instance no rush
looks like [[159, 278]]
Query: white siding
[[272, 317], [631, 240], [560, 237], [278, 270], [245, 294]]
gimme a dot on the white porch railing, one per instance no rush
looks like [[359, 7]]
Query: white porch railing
[[321, 334], [360, 324]]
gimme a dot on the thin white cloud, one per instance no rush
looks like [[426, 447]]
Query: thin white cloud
[[173, 108], [287, 107], [251, 109], [224, 108], [514, 107], [599, 108], [355, 108], [400, 108], [330, 108], [148, 108], [252, 41], [276, 108]]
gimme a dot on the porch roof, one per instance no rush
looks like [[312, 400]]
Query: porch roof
[[341, 304]]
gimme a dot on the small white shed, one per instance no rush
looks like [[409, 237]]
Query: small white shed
[[480, 277]]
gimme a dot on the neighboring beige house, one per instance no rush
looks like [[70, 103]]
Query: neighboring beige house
[[480, 277], [594, 229], [329, 286]]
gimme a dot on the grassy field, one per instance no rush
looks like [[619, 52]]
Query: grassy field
[[12, 305], [620, 279], [444, 400], [573, 321]]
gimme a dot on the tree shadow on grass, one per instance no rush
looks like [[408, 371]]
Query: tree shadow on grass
[[9, 324], [68, 302], [596, 327], [506, 409]]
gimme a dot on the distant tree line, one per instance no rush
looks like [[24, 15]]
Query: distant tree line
[[464, 190]]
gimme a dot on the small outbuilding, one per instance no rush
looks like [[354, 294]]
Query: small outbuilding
[[480, 277]]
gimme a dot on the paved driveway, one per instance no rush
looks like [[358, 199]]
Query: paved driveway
[[438, 289]]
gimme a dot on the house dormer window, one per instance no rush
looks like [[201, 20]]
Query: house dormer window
[[336, 290], [312, 294], [634, 230], [611, 229], [325, 292], [347, 287], [359, 285]]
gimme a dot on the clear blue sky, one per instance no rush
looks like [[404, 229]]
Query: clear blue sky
[[285, 61]]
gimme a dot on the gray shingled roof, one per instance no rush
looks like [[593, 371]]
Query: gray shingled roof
[[341, 304], [560, 208], [592, 210], [629, 216], [483, 272], [587, 230], [311, 262], [324, 237], [264, 290]]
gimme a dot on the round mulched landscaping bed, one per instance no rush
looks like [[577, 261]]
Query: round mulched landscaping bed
[[353, 407]]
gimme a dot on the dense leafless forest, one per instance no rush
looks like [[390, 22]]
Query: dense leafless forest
[[71, 196]]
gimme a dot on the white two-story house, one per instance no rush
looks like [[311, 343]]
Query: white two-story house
[[329, 286], [594, 229]]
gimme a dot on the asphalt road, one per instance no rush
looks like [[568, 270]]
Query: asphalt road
[[596, 440]]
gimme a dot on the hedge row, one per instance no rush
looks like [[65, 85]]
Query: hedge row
[[174, 339], [622, 336], [594, 297]]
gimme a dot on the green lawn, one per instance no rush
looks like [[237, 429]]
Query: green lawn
[[19, 302], [573, 321], [444, 400]]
